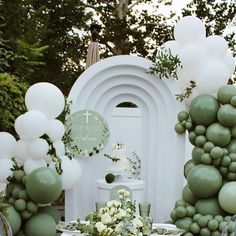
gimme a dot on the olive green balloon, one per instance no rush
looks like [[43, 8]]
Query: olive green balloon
[[188, 195], [40, 225], [233, 101], [187, 167], [43, 185], [203, 109], [197, 153], [184, 223], [225, 93], [227, 115], [14, 219], [32, 207], [183, 115], [218, 134], [52, 211], [227, 196], [204, 181], [179, 128], [233, 131], [209, 206], [232, 146]]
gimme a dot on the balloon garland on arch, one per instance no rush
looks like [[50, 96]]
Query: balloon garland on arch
[[202, 67]]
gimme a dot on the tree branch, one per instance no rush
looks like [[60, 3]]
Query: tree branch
[[135, 3]]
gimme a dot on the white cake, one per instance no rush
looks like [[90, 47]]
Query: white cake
[[117, 161]]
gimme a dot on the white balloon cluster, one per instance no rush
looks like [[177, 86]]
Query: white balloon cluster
[[204, 60], [45, 102]]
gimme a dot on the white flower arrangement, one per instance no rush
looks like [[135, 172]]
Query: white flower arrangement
[[117, 218]]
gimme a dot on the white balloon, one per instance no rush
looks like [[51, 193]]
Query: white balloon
[[48, 159], [55, 129], [60, 147], [46, 98], [71, 172], [5, 169], [38, 148], [216, 46], [31, 125], [7, 145], [31, 164], [189, 29], [173, 46], [192, 57], [212, 76], [21, 150], [230, 62], [184, 78]]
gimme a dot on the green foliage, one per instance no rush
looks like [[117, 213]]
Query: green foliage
[[187, 91], [165, 65], [12, 93]]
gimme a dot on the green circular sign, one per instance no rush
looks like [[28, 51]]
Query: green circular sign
[[89, 132]]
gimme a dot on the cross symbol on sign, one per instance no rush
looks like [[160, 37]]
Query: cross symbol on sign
[[87, 114]]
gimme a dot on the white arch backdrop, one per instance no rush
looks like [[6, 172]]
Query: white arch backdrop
[[124, 79]]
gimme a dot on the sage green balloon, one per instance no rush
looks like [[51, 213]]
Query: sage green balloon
[[232, 146], [209, 206], [197, 153], [52, 211], [43, 185], [203, 109], [227, 115], [204, 180], [183, 115], [227, 197], [184, 223], [40, 225], [233, 101], [225, 93], [14, 219], [233, 131], [188, 195], [218, 134], [179, 128], [187, 167]]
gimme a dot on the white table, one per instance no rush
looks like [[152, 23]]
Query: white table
[[135, 186]]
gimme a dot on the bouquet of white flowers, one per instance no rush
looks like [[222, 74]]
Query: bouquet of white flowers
[[117, 218]]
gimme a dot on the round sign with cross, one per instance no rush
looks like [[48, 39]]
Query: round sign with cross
[[89, 133]]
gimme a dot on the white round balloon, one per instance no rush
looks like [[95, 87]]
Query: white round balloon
[[60, 147], [55, 130], [38, 148], [216, 46], [192, 57], [7, 145], [189, 29], [31, 125], [46, 98], [230, 62], [31, 164], [21, 150], [71, 172], [48, 159], [212, 76], [5, 169], [173, 46], [184, 78]]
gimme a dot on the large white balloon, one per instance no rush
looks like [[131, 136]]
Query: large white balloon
[[212, 76], [216, 46], [7, 145], [5, 169], [55, 129], [31, 125], [46, 98], [31, 164], [173, 46], [184, 78], [60, 147], [189, 29], [21, 150], [192, 57], [230, 62], [38, 148], [71, 172]]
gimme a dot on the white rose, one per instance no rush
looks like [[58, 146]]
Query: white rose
[[100, 226], [106, 219], [119, 227], [127, 194], [112, 210], [137, 222], [109, 204], [121, 214]]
